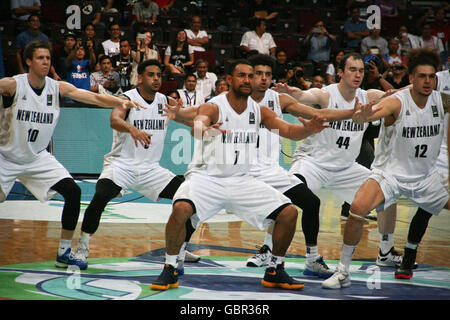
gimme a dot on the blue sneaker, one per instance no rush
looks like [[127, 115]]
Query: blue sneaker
[[79, 259], [62, 261], [317, 268]]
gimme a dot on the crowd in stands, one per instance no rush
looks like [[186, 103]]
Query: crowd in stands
[[195, 40]]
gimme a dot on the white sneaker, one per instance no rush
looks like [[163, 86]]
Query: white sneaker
[[391, 259], [317, 268], [79, 259], [190, 257], [339, 279], [260, 259]]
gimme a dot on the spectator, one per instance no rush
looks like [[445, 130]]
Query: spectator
[[331, 74], [60, 56], [221, 86], [397, 75], [319, 42], [392, 55], [145, 50], [258, 40], [388, 8], [90, 10], [263, 9], [79, 67], [374, 40], [146, 13], [281, 66], [205, 80], [427, 40], [112, 45], [179, 56], [317, 82], [189, 95], [355, 29], [32, 33], [89, 35], [105, 80], [407, 41], [175, 95], [373, 78], [441, 26], [21, 9], [297, 79], [123, 63], [165, 5], [197, 38]]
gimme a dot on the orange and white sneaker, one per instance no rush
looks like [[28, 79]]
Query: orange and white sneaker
[[278, 278], [167, 279]]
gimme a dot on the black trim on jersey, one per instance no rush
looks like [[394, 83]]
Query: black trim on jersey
[[148, 101], [128, 110], [8, 101]]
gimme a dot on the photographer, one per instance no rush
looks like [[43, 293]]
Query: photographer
[[397, 75], [282, 66], [373, 68], [296, 78], [319, 42]]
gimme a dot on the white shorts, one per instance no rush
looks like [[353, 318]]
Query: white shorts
[[442, 167], [37, 176], [344, 183], [428, 193], [149, 182], [275, 176], [250, 199]]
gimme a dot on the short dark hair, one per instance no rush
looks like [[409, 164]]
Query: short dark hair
[[422, 56], [190, 75], [261, 60], [144, 64], [34, 15], [33, 46], [234, 63], [103, 58], [343, 62]]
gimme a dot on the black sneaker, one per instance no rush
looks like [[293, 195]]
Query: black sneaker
[[167, 279], [345, 210], [278, 278], [405, 271]]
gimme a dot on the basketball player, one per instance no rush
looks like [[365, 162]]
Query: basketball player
[[328, 159], [133, 162], [405, 162], [218, 178], [269, 171], [28, 116], [443, 85]]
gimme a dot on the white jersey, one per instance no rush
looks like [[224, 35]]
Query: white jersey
[[408, 149], [269, 145], [336, 147], [150, 120], [443, 85], [234, 152], [27, 126]]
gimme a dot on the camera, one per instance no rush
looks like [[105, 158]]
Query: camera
[[298, 73]]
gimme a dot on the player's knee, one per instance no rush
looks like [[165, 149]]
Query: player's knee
[[358, 209], [182, 211], [288, 214]]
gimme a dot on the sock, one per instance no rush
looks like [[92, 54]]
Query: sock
[[64, 245], [275, 261], [411, 245], [386, 242], [346, 257], [182, 255], [312, 254], [268, 240], [172, 260], [84, 240]]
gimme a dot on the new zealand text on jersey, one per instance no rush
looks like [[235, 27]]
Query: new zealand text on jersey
[[34, 116], [240, 137], [149, 124], [421, 132], [346, 125]]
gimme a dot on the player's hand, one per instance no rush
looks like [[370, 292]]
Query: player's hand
[[284, 88], [171, 111], [214, 130], [362, 112], [315, 125], [128, 104], [141, 137]]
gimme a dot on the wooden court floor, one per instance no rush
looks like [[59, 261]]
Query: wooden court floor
[[24, 241]]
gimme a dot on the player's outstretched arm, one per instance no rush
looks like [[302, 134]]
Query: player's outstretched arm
[[205, 122], [7, 86], [311, 97], [289, 130], [388, 108], [175, 111], [101, 100]]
